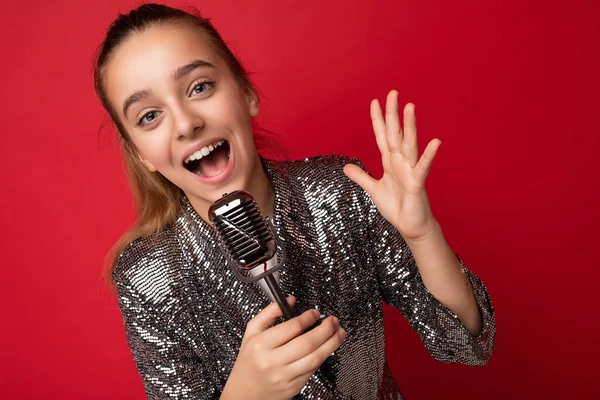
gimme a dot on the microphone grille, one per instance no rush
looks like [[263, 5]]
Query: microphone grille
[[242, 230]]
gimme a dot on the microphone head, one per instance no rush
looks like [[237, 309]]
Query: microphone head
[[242, 231]]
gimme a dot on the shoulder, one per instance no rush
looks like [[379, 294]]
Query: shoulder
[[322, 180], [321, 166], [149, 267]]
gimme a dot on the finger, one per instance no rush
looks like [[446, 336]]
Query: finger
[[360, 177], [410, 148], [311, 362], [307, 343], [424, 165], [378, 126], [266, 318], [288, 330], [393, 133]]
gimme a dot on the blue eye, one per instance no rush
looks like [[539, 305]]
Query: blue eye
[[202, 87], [147, 118]]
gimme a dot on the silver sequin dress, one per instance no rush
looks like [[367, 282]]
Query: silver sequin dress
[[185, 312]]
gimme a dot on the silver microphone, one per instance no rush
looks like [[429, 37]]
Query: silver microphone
[[248, 240]]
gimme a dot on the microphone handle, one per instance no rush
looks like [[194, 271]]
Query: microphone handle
[[279, 297]]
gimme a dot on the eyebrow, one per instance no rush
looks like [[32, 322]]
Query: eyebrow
[[137, 96], [179, 73], [182, 71]]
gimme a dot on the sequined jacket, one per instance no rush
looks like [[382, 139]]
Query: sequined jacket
[[185, 312]]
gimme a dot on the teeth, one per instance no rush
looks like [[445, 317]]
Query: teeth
[[203, 152]]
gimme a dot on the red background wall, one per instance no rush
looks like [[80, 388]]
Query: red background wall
[[512, 88]]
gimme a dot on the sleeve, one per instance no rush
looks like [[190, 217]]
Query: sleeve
[[400, 285], [169, 368]]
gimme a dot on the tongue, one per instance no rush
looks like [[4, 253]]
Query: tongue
[[213, 163]]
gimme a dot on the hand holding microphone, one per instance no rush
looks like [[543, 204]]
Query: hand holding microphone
[[275, 362]]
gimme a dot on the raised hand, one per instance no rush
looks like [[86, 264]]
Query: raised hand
[[400, 194]]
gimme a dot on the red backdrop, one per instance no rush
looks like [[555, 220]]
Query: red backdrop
[[512, 88]]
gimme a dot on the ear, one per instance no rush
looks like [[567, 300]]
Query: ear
[[147, 163], [252, 100]]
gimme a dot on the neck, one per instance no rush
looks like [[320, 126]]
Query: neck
[[258, 186], [265, 197]]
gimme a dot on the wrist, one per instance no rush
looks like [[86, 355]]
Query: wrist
[[233, 392], [226, 393], [229, 392], [431, 231]]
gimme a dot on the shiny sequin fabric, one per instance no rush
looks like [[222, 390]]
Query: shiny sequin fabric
[[185, 312]]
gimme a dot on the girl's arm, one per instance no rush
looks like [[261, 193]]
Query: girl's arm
[[169, 368], [401, 285], [427, 285], [444, 277]]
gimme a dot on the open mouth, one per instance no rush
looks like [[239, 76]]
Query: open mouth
[[210, 160]]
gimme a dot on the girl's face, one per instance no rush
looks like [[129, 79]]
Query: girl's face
[[185, 112]]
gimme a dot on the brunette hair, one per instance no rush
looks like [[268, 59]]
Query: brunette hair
[[156, 199]]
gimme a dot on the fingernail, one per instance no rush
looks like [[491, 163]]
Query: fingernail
[[336, 322], [342, 333]]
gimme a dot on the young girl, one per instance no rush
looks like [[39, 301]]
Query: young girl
[[183, 106]]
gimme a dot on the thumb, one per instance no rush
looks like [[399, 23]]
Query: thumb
[[266, 318], [360, 177]]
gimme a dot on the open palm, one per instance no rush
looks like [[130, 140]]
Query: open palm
[[400, 194]]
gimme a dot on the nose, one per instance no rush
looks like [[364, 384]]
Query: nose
[[187, 122]]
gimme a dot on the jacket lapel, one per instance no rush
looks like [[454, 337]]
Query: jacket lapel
[[218, 287]]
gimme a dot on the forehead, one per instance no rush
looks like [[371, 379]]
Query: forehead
[[149, 57]]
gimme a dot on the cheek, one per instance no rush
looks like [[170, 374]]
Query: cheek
[[243, 120], [231, 108], [154, 147]]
